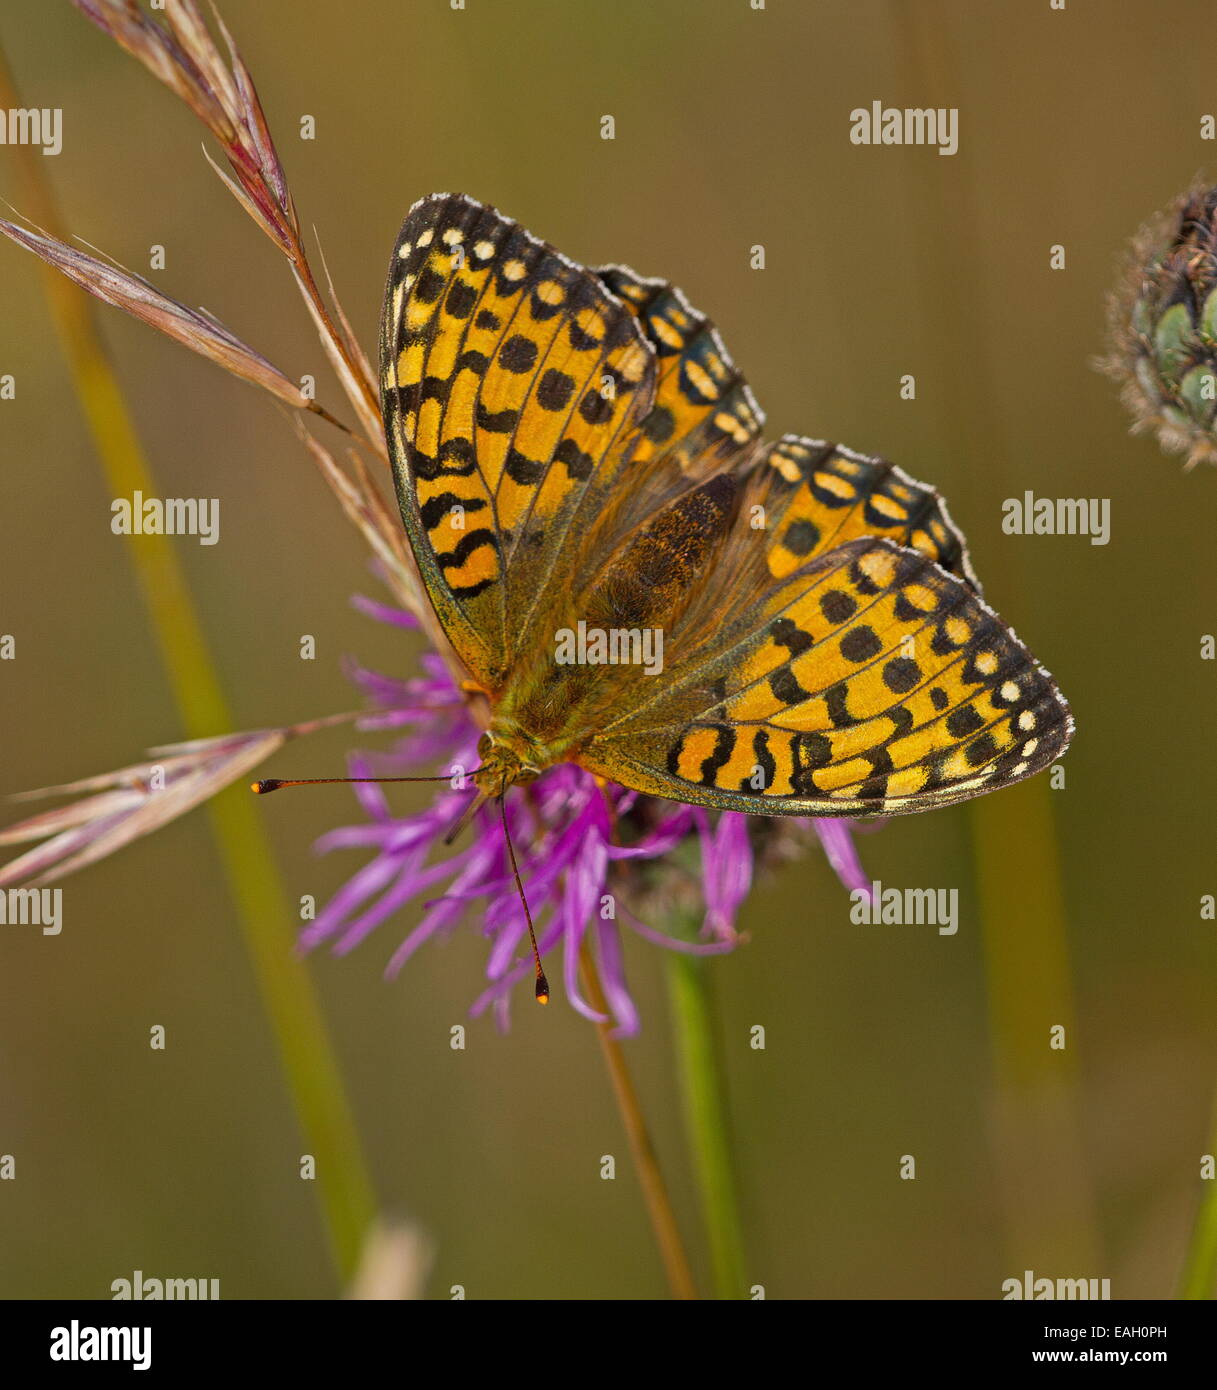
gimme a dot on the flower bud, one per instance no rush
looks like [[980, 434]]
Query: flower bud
[[1163, 327]]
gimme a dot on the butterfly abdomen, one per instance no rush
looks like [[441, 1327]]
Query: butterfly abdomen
[[649, 577]]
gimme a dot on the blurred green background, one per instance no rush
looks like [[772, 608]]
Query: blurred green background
[[732, 129]]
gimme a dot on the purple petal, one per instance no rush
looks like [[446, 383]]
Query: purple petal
[[674, 943], [396, 617], [838, 841], [612, 977]]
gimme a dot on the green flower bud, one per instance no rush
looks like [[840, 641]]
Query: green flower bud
[[1163, 328]]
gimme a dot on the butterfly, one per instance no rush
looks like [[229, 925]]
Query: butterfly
[[580, 469]]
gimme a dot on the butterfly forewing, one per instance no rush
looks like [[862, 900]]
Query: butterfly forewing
[[703, 415], [511, 381]]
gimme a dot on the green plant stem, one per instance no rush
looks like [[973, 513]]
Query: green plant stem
[[706, 1124], [287, 993], [646, 1162], [1199, 1277]]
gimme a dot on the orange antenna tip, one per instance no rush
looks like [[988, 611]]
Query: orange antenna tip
[[542, 989], [269, 784]]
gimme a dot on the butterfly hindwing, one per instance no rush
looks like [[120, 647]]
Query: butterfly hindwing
[[869, 681], [816, 496]]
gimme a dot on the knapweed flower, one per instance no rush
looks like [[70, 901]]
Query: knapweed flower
[[1163, 327], [594, 858]]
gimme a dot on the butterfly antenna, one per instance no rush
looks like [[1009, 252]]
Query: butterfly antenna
[[542, 986], [272, 784]]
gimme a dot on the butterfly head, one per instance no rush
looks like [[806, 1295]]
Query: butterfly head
[[507, 755]]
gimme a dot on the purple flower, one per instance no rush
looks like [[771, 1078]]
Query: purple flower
[[590, 855], [594, 857]]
